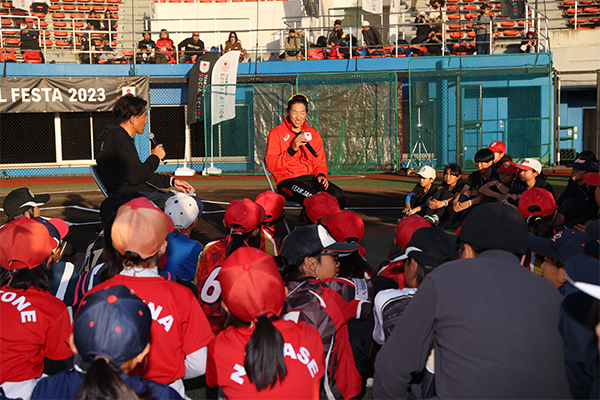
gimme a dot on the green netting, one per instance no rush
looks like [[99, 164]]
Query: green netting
[[459, 105], [357, 117], [240, 143]]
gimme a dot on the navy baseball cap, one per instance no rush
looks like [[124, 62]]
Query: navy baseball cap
[[564, 245], [57, 228], [19, 198], [112, 323], [495, 226], [308, 241], [583, 272], [430, 247], [583, 164]]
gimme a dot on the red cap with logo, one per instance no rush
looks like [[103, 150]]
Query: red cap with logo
[[243, 215], [319, 205], [25, 243], [345, 225], [497, 147], [273, 204], [251, 284], [140, 227], [536, 202], [508, 168], [407, 226]]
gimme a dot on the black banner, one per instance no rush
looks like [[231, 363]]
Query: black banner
[[18, 95], [200, 76]]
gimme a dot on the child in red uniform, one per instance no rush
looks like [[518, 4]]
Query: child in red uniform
[[180, 332], [259, 355], [318, 297], [243, 219], [273, 204], [35, 324]]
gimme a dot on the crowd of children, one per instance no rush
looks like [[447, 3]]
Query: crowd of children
[[305, 316]]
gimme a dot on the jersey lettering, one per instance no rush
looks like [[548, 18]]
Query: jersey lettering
[[288, 351], [155, 311], [211, 291], [237, 376], [21, 303]]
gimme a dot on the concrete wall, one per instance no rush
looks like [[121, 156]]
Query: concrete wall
[[576, 51]]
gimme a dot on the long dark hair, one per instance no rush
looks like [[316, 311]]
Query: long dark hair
[[24, 278], [264, 362], [241, 239], [113, 266], [102, 382], [544, 227]]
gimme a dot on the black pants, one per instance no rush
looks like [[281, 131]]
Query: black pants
[[299, 188]]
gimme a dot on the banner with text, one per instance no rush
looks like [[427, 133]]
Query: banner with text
[[200, 75], [373, 6], [32, 95], [223, 97]]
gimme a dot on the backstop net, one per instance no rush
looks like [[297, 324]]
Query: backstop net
[[459, 105], [357, 117]]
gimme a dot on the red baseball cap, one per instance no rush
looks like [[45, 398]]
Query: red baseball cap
[[592, 178], [28, 19], [140, 227], [536, 202], [245, 214], [319, 205], [251, 284], [25, 243], [508, 168], [407, 226], [497, 147], [345, 225], [273, 204]]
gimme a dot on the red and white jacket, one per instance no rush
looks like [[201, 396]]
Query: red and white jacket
[[281, 160]]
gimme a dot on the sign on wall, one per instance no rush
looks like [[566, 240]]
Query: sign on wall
[[373, 6], [19, 95]]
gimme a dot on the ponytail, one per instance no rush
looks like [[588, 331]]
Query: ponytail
[[238, 240], [264, 362], [102, 382]]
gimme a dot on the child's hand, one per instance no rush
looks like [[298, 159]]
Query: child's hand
[[407, 210]]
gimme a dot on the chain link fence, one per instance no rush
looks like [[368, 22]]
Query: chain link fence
[[459, 105]]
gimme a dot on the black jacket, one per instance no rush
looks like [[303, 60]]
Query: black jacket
[[191, 48], [120, 167]]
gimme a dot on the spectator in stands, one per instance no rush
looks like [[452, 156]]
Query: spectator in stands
[[30, 46], [445, 314], [433, 44], [529, 43], [23, 203], [233, 43], [190, 48], [482, 29], [146, 47], [437, 14], [336, 35], [423, 29], [119, 164], [164, 48], [292, 47], [93, 21], [109, 24], [371, 36]]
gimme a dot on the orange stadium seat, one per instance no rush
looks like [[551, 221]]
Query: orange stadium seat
[[61, 34], [58, 15], [95, 35], [6, 22], [54, 7], [455, 26], [470, 7], [454, 17], [579, 20], [471, 16], [69, 7], [511, 32], [113, 8], [591, 10], [456, 35], [453, 8], [189, 1], [12, 41], [76, 15], [77, 24], [9, 33], [59, 24], [471, 34], [62, 43], [98, 8], [38, 15], [507, 24], [47, 43], [7, 5], [469, 26], [84, 8], [45, 33], [113, 1]]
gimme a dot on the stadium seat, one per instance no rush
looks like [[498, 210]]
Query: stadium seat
[[54, 7], [471, 34], [47, 43], [511, 32], [469, 26], [455, 26], [98, 8], [76, 24], [84, 8], [7, 5], [507, 24], [6, 22], [12, 41], [579, 20], [38, 15], [9, 33], [470, 7], [98, 1], [59, 24], [113, 8], [471, 16], [84, 1], [58, 16], [456, 35], [61, 34], [45, 33], [591, 10], [453, 8], [113, 1], [62, 43], [189, 1], [74, 16], [453, 17], [69, 7], [174, 1]]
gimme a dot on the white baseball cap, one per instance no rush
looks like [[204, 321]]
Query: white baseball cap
[[182, 209], [529, 164], [426, 172]]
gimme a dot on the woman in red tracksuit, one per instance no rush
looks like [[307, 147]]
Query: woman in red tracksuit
[[296, 158]]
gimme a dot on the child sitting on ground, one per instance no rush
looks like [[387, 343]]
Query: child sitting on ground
[[417, 198], [495, 190], [530, 175], [500, 156], [446, 193]]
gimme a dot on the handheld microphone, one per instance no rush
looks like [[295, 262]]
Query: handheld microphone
[[308, 146], [154, 144]]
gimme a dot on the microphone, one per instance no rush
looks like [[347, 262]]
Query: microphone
[[308, 146], [154, 144]]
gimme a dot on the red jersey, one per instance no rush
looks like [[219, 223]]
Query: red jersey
[[393, 270], [328, 305], [207, 282], [35, 325], [270, 243], [304, 361], [282, 164], [178, 326]]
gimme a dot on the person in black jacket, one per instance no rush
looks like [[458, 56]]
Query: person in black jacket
[[371, 36], [190, 48], [119, 164]]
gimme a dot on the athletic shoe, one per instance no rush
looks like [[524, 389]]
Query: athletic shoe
[[434, 220]]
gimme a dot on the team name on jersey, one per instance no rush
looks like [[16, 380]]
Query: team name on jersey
[[21, 303], [155, 311], [288, 351]]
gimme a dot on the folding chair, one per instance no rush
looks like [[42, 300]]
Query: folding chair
[[287, 202], [96, 176]]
